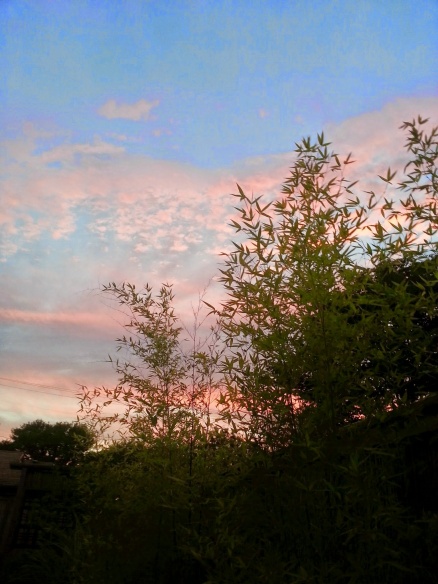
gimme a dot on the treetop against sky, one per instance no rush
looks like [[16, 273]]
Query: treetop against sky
[[126, 127]]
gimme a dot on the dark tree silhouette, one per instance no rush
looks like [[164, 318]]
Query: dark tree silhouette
[[62, 442]]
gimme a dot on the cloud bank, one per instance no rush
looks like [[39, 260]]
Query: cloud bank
[[137, 111], [77, 216]]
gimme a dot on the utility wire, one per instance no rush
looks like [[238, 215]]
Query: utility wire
[[44, 386], [37, 391], [63, 389]]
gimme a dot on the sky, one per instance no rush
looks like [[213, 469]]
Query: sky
[[124, 128]]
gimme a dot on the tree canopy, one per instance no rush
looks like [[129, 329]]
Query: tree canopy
[[61, 442], [330, 314], [332, 294]]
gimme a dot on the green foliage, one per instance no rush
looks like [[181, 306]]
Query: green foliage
[[167, 377], [320, 514], [62, 442], [318, 333], [144, 489], [7, 445], [142, 511], [401, 296]]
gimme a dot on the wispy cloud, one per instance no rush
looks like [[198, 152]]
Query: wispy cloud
[[163, 205], [75, 320], [67, 152], [137, 111], [161, 131], [376, 140]]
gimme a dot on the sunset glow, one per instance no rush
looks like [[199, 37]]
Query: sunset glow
[[125, 128]]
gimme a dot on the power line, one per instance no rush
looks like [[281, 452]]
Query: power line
[[44, 386], [44, 392], [63, 389], [37, 391]]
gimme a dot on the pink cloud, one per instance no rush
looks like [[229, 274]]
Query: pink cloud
[[79, 321], [375, 138], [140, 201], [137, 111]]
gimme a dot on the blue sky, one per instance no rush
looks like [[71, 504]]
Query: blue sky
[[233, 79], [126, 124]]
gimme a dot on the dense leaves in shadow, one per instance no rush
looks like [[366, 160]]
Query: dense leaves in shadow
[[63, 443]]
